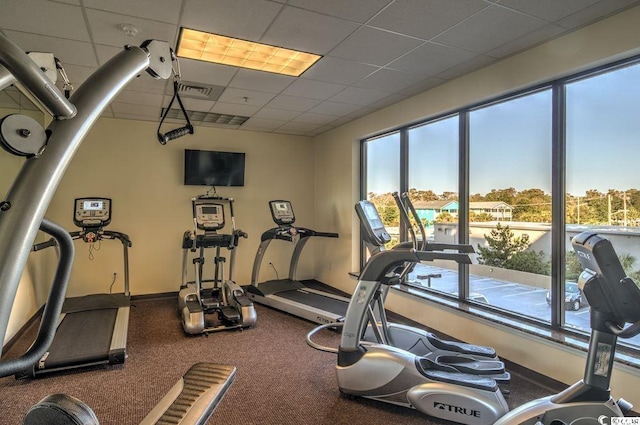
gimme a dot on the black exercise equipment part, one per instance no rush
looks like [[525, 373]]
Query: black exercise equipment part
[[291, 295]]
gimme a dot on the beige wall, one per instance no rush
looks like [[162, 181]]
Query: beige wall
[[121, 159], [337, 177]]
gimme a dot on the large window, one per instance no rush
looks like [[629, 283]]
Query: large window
[[382, 174], [433, 190], [517, 178], [603, 188], [510, 203]]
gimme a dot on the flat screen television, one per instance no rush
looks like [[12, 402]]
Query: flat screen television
[[213, 168]]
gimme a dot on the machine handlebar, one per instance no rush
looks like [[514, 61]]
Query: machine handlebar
[[174, 134], [380, 264]]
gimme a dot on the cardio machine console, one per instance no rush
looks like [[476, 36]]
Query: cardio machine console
[[92, 212], [373, 227], [208, 215], [282, 212]]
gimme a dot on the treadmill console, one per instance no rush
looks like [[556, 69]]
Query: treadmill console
[[374, 230], [92, 212], [282, 212], [208, 215]]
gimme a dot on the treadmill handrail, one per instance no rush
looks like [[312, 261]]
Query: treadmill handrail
[[53, 306]]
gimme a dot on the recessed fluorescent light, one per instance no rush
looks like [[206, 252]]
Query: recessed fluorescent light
[[215, 48]]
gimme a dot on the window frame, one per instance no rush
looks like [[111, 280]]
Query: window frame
[[558, 192]]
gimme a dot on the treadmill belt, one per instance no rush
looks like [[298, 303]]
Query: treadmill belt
[[312, 299], [82, 338]]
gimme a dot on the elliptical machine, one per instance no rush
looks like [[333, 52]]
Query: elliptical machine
[[386, 373], [474, 359], [615, 302], [223, 306]]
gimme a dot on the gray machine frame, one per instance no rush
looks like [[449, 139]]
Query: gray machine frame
[[23, 208], [470, 358], [290, 295]]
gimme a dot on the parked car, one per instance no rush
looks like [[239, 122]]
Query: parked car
[[574, 299]]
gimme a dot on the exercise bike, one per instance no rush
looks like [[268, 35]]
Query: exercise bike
[[223, 306], [615, 302]]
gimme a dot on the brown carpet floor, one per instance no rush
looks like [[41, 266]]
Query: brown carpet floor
[[280, 379]]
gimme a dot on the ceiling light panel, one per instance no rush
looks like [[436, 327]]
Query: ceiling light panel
[[214, 48]]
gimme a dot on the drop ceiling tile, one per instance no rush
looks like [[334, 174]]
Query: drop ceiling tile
[[67, 51], [471, 65], [358, 96], [302, 127], [307, 31], [262, 124], [292, 103], [430, 59], [488, 29], [259, 80], [234, 109], [35, 16], [216, 125], [422, 86], [389, 100], [353, 10], [425, 18], [105, 53], [311, 118], [312, 89], [205, 72], [140, 98], [276, 114], [246, 19], [360, 113], [527, 41], [338, 71], [245, 97], [105, 29], [389, 80], [189, 104], [374, 46], [334, 108], [595, 12], [549, 10], [145, 83], [156, 10], [122, 109]]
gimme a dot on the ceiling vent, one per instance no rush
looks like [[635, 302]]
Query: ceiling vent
[[207, 117], [199, 91]]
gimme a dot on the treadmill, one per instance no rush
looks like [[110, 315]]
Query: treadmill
[[290, 295], [92, 329]]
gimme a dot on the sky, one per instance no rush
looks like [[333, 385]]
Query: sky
[[510, 143]]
